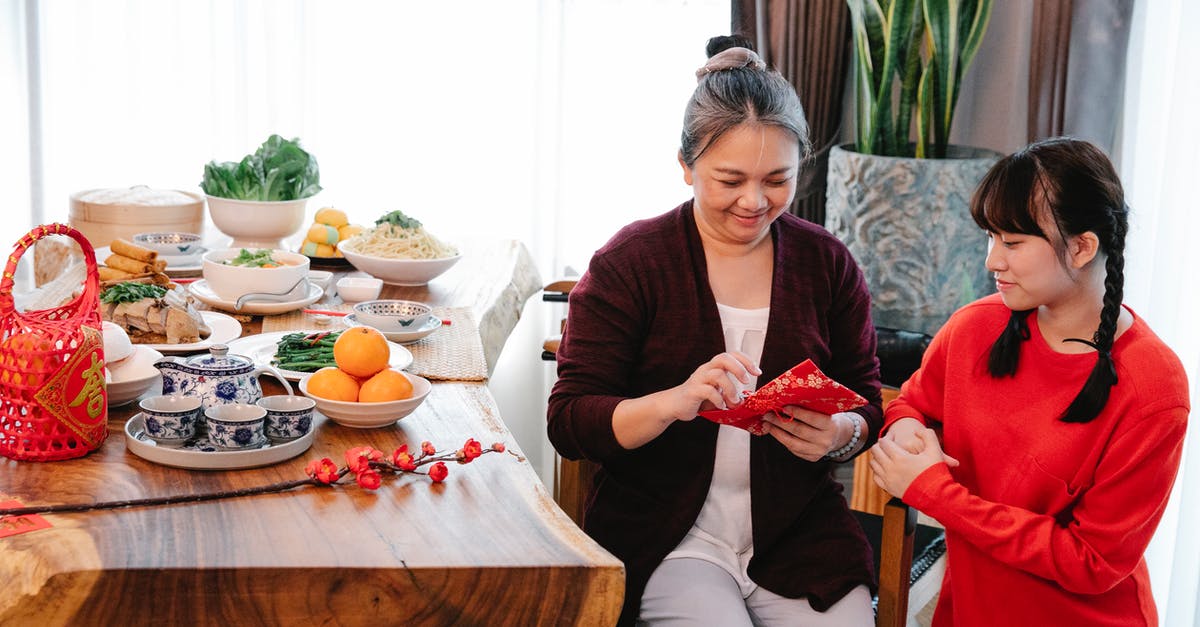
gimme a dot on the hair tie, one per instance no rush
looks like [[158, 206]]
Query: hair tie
[[731, 58]]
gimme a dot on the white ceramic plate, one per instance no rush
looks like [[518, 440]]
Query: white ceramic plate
[[224, 330], [206, 295], [139, 444], [125, 392], [190, 263], [261, 349], [401, 337]]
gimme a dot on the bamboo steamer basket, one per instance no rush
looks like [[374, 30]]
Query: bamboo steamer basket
[[103, 215]]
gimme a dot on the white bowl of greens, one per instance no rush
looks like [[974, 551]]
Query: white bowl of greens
[[233, 272], [260, 200]]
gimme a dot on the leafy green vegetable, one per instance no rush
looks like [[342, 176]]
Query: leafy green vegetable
[[130, 292], [278, 170], [305, 352], [399, 219], [256, 259]]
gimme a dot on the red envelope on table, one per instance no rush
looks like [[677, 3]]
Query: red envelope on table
[[804, 385]]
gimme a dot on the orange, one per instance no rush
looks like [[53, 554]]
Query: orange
[[333, 384], [361, 351], [386, 385]]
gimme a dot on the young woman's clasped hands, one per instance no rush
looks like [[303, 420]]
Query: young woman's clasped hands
[[907, 449]]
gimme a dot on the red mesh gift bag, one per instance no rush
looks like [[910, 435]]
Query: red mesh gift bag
[[53, 402]]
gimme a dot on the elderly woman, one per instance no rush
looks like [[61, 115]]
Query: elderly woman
[[682, 313]]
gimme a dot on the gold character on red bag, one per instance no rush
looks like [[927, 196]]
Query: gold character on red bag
[[93, 388]]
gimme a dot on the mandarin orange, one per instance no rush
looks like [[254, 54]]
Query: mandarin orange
[[386, 385], [333, 384], [361, 351]]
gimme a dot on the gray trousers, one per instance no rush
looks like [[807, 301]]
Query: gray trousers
[[685, 591]]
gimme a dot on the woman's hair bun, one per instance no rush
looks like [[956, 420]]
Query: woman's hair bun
[[721, 43], [730, 52]]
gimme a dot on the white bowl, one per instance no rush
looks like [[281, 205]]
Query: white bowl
[[122, 392], [231, 282], [257, 223], [393, 316], [354, 289], [397, 271], [131, 377], [169, 243], [370, 415]]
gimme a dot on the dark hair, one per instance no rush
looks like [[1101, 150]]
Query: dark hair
[[728, 96], [1072, 184]]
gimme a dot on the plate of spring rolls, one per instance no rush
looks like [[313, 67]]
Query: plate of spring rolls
[[122, 260]]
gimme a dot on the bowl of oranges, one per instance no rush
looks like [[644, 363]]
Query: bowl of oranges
[[361, 391]]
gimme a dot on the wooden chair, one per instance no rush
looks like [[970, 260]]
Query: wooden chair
[[556, 292]]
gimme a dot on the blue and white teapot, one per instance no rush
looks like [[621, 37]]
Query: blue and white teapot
[[218, 378]]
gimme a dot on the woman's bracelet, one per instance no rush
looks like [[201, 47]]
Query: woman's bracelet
[[852, 444]]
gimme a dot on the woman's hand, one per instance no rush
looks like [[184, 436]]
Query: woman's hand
[[904, 433], [636, 421], [711, 386], [809, 435], [896, 468]]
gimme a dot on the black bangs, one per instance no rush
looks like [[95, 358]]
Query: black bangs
[[1004, 200]]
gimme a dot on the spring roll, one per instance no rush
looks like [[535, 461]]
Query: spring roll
[[112, 274], [127, 248], [127, 264]]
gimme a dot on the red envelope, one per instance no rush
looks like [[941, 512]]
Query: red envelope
[[804, 385]]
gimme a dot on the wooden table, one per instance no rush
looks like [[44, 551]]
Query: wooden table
[[488, 546]]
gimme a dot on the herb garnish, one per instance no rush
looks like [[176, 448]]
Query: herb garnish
[[398, 218], [130, 292]]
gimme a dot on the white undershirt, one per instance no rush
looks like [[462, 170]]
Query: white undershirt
[[722, 533]]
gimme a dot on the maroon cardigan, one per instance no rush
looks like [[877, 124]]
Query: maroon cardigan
[[642, 319]]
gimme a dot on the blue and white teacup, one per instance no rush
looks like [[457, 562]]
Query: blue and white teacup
[[235, 426], [288, 417], [170, 419]]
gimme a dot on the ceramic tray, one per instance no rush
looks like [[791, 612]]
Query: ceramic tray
[[194, 456]]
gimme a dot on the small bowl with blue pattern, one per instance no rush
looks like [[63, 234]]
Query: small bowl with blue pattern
[[170, 419], [236, 426], [288, 417]]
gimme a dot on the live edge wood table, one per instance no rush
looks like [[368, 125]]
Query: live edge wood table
[[487, 546]]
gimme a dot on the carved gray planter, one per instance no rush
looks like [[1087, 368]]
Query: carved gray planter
[[908, 223]]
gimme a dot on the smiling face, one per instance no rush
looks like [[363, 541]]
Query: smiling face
[[1031, 272], [743, 181]]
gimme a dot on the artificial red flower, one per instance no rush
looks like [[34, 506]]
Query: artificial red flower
[[498, 447], [369, 479], [323, 470], [360, 457], [427, 448], [469, 451], [438, 472], [403, 459]]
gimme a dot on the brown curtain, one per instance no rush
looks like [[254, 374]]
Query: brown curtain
[[808, 41], [1077, 69]]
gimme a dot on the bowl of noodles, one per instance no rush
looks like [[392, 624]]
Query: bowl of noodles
[[399, 251]]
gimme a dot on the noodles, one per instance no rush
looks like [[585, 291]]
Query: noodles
[[394, 242]]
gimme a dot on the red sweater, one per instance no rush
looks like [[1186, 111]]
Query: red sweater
[[1046, 522]]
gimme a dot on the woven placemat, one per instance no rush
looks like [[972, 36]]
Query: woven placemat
[[452, 353]]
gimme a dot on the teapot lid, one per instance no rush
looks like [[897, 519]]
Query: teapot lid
[[218, 357]]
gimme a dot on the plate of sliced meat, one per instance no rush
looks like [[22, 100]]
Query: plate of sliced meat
[[224, 329], [164, 319]]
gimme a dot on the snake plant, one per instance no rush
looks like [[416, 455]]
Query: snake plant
[[910, 56]]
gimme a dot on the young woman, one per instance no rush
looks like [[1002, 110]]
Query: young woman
[[680, 313], [1062, 414]]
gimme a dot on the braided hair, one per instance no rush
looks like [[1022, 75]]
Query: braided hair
[[1072, 184]]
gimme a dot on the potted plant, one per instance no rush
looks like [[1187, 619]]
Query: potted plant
[[899, 195]]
